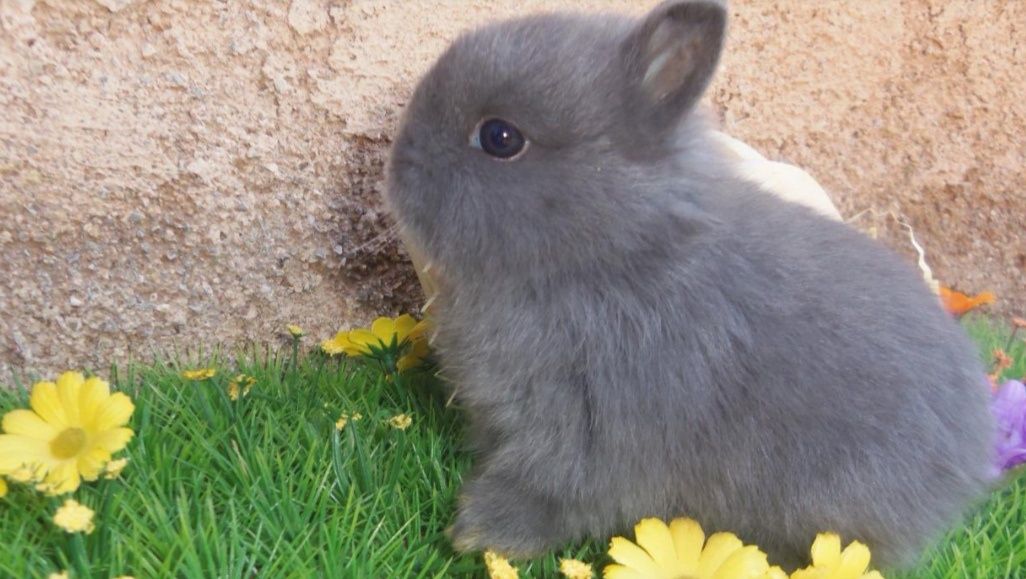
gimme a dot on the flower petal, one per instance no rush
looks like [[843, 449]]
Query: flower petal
[[113, 412], [621, 572], [64, 478], [17, 450], [810, 572], [404, 324], [745, 563], [92, 462], [47, 404], [826, 550], [688, 539], [114, 439], [362, 340], [406, 362], [654, 536], [420, 329], [627, 553], [335, 345], [28, 423], [94, 392], [384, 329], [854, 561], [69, 386], [718, 548], [575, 569]]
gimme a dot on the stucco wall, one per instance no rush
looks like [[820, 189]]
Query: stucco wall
[[188, 172]]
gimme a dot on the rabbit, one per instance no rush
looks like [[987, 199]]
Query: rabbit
[[633, 331]]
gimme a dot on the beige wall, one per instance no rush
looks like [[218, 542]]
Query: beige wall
[[188, 172]]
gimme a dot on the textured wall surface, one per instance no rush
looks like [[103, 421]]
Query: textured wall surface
[[182, 172]]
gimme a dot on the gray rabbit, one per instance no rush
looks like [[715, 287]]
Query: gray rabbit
[[634, 332]]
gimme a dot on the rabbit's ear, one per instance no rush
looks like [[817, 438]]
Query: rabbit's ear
[[669, 59]]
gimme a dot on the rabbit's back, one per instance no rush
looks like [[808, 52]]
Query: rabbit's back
[[863, 402]]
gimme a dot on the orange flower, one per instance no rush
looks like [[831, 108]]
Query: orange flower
[[957, 303], [1002, 361]]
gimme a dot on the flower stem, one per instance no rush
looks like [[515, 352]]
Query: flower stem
[[79, 559], [1011, 338], [295, 353]]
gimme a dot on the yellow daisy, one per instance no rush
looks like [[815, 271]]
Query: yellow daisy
[[830, 562], [3, 487], [386, 338], [113, 468], [499, 567], [294, 331], [384, 332], [681, 551], [74, 517], [69, 435], [199, 374], [400, 421], [240, 386], [574, 569]]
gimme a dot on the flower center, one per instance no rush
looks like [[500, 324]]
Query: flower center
[[68, 443]]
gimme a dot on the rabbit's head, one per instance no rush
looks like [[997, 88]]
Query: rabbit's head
[[553, 142]]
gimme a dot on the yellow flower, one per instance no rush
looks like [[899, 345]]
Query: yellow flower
[[61, 575], [830, 562], [400, 421], [113, 468], [3, 487], [240, 386], [574, 569], [499, 567], [680, 550], [69, 435], [343, 420], [74, 517], [383, 333], [386, 335], [294, 331], [199, 374], [124, 577]]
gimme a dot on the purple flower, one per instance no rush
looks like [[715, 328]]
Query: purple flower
[[1008, 405]]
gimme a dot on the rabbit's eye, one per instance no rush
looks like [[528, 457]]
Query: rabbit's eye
[[499, 139]]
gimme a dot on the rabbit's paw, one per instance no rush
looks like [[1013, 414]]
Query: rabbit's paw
[[496, 516]]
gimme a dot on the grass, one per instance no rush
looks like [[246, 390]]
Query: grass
[[266, 486]]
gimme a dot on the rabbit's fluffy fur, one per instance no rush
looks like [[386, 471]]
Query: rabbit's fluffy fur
[[634, 332]]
